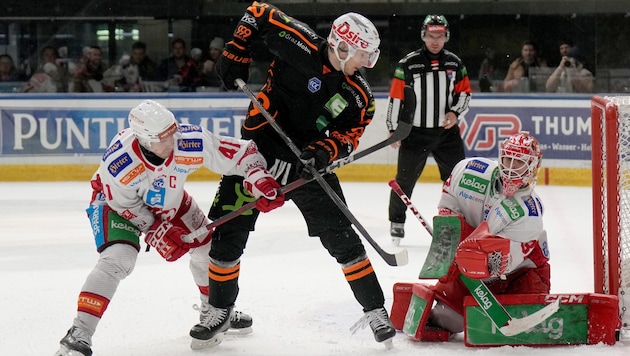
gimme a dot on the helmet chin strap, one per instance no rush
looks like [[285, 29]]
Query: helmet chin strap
[[342, 62]]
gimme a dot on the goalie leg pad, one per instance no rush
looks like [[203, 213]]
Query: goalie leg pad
[[416, 322], [590, 318]]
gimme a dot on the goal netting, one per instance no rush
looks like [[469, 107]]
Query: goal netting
[[610, 123]]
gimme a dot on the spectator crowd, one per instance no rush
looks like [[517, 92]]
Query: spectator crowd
[[188, 70]]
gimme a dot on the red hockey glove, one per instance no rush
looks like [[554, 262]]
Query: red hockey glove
[[233, 64], [264, 188], [317, 154], [482, 255], [166, 238]]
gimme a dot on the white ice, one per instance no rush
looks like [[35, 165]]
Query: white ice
[[296, 293]]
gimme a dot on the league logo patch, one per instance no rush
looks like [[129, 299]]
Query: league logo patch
[[314, 85]]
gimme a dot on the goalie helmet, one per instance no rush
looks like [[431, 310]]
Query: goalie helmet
[[519, 160], [151, 122], [435, 23], [358, 33]]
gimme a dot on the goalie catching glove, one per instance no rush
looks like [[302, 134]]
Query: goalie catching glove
[[482, 255], [317, 154], [166, 239], [264, 188], [233, 64]]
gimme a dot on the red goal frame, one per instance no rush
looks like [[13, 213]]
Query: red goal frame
[[606, 217]]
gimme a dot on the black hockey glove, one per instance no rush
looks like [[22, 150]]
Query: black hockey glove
[[318, 155], [232, 66]]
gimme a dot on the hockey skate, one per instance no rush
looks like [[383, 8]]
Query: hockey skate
[[397, 231], [213, 322], [380, 324], [240, 323], [75, 343]]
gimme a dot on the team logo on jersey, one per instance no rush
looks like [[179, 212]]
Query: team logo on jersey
[[513, 208], [190, 144], [530, 204], [474, 183], [156, 196], [476, 165], [336, 105], [189, 128], [314, 85], [119, 164], [111, 149]]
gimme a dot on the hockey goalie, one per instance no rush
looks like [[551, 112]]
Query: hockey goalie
[[489, 240]]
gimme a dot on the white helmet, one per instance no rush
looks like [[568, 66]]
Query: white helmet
[[358, 33], [522, 156], [151, 122]]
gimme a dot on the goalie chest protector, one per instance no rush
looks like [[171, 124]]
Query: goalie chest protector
[[590, 318]]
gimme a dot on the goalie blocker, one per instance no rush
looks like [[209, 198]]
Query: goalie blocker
[[589, 318]]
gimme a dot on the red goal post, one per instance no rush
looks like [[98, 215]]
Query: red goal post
[[610, 129]]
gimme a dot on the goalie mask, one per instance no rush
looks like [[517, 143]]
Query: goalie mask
[[519, 160], [435, 23], [151, 122], [359, 34]]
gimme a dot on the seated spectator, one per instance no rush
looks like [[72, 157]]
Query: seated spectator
[[209, 76], [179, 69], [517, 78], [147, 68], [89, 73], [8, 71], [570, 76]]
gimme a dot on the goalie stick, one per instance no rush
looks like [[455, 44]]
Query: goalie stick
[[397, 259], [507, 324], [402, 131]]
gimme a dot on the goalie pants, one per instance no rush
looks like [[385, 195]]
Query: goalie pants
[[323, 218], [452, 293], [446, 147]]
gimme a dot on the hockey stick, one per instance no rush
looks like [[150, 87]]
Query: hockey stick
[[397, 259], [507, 324], [402, 131]]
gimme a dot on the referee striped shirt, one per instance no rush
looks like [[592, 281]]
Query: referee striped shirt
[[440, 82]]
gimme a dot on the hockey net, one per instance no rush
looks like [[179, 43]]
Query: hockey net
[[610, 123]]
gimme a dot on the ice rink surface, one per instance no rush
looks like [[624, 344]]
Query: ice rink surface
[[296, 292]]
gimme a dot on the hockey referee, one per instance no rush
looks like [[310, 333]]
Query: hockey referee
[[442, 90]]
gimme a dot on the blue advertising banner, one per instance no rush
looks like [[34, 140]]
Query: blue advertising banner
[[62, 129], [563, 132], [59, 132]]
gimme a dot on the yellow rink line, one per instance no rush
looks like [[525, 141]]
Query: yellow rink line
[[350, 173]]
